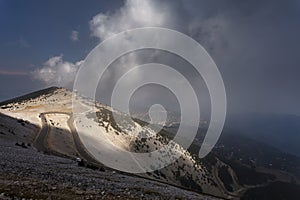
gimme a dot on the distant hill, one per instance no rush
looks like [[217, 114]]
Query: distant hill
[[253, 164], [280, 131]]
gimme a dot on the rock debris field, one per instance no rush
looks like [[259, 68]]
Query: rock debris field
[[28, 174]]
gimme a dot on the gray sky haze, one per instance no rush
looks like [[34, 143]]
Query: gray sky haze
[[255, 44]]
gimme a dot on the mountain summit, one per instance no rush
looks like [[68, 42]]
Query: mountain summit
[[44, 121]]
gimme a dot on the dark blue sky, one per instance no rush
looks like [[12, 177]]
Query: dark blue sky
[[255, 43], [32, 31]]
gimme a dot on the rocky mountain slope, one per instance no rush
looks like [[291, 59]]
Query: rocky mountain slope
[[28, 174], [43, 121]]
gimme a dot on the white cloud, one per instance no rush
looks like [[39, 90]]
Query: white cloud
[[74, 35], [55, 71], [134, 14]]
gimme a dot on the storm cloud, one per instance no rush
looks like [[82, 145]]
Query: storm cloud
[[254, 44]]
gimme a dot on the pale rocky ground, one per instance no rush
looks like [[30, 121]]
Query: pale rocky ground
[[60, 140], [60, 137], [28, 174]]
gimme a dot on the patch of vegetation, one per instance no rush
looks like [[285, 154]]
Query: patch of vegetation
[[83, 163], [23, 145], [29, 96], [248, 176], [11, 131], [152, 192], [262, 155], [188, 182], [107, 116], [226, 178], [209, 161], [20, 121], [166, 134], [140, 122], [275, 191]]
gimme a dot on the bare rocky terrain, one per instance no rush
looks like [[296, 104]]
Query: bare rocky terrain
[[28, 174], [41, 144]]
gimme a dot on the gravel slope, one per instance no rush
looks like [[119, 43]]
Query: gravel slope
[[26, 173]]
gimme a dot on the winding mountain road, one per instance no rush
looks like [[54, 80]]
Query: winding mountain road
[[40, 142]]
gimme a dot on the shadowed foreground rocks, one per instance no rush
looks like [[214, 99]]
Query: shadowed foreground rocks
[[28, 174]]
